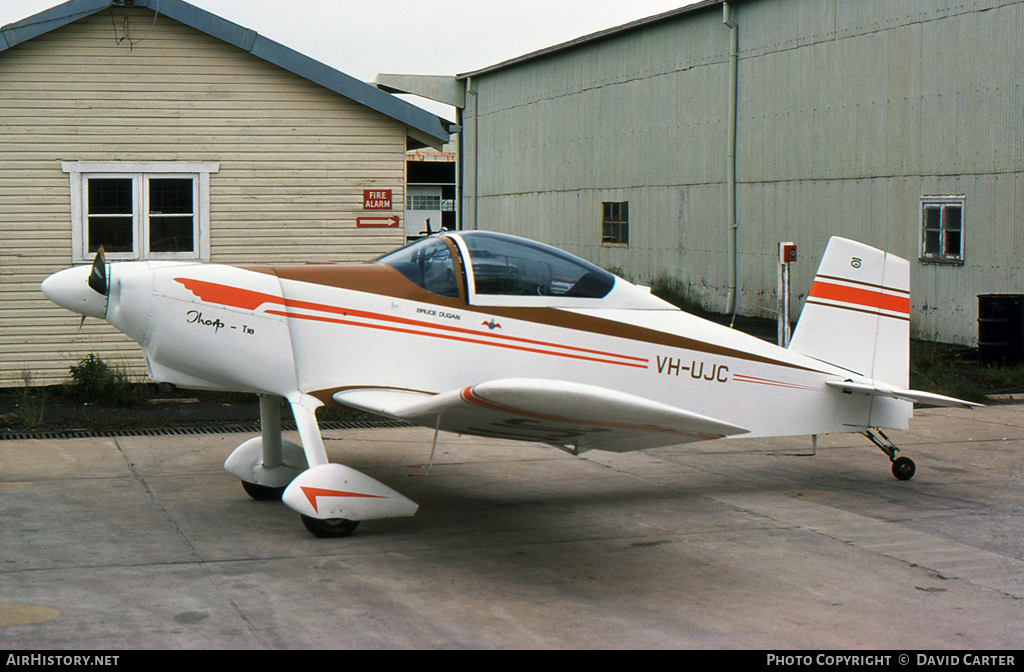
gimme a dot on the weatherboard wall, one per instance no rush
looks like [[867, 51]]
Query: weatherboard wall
[[848, 114], [293, 161]]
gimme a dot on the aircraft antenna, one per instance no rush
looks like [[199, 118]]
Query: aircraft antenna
[[433, 449]]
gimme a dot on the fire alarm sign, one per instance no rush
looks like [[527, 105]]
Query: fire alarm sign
[[376, 199]]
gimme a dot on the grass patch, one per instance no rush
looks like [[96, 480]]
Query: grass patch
[[669, 289], [31, 402], [94, 381], [957, 372]]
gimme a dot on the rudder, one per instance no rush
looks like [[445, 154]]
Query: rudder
[[857, 314]]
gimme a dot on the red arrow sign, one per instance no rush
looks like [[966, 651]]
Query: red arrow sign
[[379, 222]]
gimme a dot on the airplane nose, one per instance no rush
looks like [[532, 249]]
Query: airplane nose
[[70, 289]]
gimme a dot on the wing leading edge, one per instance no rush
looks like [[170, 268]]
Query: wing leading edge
[[582, 417]]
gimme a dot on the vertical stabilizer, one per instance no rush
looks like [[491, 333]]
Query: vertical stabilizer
[[857, 314]]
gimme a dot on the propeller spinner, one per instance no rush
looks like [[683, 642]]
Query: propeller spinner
[[82, 289]]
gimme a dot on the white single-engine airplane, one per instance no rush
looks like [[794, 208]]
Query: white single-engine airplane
[[525, 342]]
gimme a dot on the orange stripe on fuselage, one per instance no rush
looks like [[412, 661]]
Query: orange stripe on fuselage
[[463, 339], [741, 378], [245, 299], [868, 298], [226, 295]]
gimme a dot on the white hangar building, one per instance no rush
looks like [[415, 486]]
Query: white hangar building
[[899, 123]]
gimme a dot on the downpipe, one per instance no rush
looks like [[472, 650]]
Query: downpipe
[[733, 226]]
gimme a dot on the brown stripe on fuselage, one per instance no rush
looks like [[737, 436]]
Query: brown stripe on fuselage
[[383, 280]]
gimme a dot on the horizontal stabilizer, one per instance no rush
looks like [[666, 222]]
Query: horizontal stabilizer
[[917, 396], [548, 411]]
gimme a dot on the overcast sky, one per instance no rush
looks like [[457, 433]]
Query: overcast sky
[[437, 37]]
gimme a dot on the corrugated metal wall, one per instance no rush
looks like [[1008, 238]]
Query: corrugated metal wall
[[294, 158], [849, 113], [620, 120]]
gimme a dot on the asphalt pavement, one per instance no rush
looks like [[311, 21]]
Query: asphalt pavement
[[147, 543]]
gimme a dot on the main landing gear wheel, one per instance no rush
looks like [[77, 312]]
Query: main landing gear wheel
[[903, 468], [329, 528], [262, 493]]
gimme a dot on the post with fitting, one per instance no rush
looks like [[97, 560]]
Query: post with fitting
[[787, 256]]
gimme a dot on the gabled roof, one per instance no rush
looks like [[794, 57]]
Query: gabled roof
[[593, 37], [423, 125]]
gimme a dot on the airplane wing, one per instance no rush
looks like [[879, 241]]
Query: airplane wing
[[917, 396], [581, 417]]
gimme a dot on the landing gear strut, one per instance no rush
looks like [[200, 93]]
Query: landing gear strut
[[903, 468], [267, 464], [331, 498]]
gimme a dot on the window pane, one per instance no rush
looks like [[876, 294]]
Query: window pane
[[110, 214], [428, 263], [171, 234], [952, 244], [170, 196], [932, 230], [615, 232], [952, 213], [110, 196], [514, 266], [113, 233], [424, 202], [608, 234]]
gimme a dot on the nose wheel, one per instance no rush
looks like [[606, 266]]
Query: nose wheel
[[330, 528], [903, 468], [262, 493]]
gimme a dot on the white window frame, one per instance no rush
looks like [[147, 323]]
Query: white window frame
[[80, 172], [944, 203]]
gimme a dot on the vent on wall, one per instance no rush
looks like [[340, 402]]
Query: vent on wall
[[185, 431]]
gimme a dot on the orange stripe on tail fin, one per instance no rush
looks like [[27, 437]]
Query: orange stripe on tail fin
[[857, 314]]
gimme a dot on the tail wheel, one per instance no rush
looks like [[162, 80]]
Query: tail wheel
[[903, 468], [329, 528]]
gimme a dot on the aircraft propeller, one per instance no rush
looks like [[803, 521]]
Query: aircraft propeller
[[98, 276]]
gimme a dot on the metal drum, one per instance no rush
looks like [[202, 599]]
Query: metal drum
[[1001, 328]]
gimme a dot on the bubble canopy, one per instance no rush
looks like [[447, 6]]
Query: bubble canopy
[[502, 265]]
